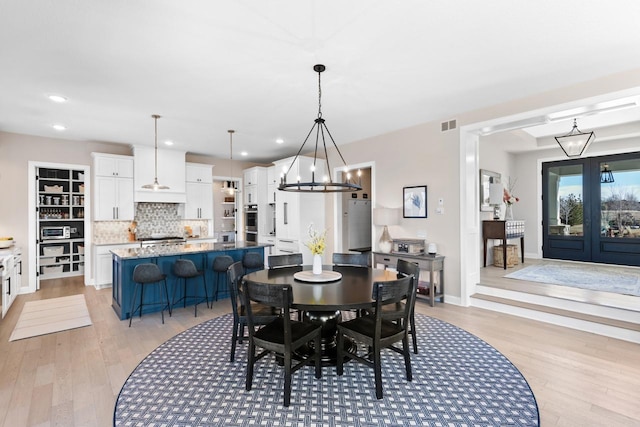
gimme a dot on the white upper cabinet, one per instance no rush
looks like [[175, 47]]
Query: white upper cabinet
[[113, 181], [251, 176], [199, 173], [199, 192], [255, 185], [171, 173], [113, 165], [272, 184]]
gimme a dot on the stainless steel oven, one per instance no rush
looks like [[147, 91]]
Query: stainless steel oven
[[55, 232], [251, 223]]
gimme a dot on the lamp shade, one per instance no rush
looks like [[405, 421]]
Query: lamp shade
[[496, 194], [385, 216]]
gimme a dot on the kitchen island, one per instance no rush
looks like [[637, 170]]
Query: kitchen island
[[202, 254]]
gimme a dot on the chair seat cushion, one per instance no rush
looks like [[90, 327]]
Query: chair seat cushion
[[365, 325], [273, 331], [190, 275]]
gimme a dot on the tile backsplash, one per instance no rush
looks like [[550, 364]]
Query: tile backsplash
[[161, 218]]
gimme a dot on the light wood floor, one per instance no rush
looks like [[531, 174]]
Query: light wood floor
[[72, 378]]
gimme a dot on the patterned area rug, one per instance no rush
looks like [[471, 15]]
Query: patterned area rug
[[596, 278], [458, 380]]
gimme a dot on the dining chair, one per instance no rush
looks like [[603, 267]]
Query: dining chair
[[376, 332], [352, 259], [262, 314], [397, 311], [144, 275], [282, 336], [287, 260]]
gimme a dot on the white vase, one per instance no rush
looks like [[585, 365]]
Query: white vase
[[317, 264], [508, 212]]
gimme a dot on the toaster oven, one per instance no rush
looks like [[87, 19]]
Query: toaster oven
[[55, 232]]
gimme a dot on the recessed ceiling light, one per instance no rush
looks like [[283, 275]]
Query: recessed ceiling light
[[59, 127], [57, 98], [244, 153], [279, 141], [168, 143]]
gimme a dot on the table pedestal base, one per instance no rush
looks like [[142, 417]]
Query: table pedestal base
[[329, 336]]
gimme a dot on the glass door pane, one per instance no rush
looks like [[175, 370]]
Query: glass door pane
[[619, 199], [565, 218], [564, 200]]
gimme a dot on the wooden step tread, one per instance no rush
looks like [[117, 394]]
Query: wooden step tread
[[560, 312]]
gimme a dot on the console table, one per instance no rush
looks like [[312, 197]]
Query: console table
[[503, 230], [433, 263]]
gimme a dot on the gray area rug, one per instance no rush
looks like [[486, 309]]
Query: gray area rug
[[458, 380], [597, 278]]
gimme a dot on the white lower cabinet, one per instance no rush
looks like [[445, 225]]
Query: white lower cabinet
[[103, 262]]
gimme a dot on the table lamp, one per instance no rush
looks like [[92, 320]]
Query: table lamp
[[385, 217], [496, 194]]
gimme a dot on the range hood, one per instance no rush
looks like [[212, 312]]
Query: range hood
[[171, 172]]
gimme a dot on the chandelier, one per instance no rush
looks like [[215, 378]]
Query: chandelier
[[155, 186], [575, 142], [326, 183]]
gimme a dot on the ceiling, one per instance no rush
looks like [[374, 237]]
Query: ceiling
[[209, 66]]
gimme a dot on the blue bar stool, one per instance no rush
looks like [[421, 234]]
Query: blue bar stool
[[252, 261], [221, 264], [185, 269], [144, 274]]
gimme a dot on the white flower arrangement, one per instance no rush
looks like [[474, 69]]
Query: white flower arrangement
[[317, 243]]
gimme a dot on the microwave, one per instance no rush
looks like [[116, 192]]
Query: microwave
[[55, 232]]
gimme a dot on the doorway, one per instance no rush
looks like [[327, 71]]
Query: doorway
[[591, 209]]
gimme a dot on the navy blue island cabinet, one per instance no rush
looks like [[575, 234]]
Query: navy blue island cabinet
[[202, 254]]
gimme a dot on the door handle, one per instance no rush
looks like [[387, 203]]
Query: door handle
[[286, 208]]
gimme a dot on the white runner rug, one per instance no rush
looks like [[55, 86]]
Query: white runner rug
[[51, 315], [597, 278]]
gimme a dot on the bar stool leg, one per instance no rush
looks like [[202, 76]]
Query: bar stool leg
[[166, 293], [133, 301], [141, 293], [206, 294]]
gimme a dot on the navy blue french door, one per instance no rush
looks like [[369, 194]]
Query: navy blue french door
[[591, 209]]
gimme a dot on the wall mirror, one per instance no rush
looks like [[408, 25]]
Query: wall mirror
[[487, 177]]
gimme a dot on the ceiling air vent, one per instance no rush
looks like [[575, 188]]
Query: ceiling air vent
[[448, 125]]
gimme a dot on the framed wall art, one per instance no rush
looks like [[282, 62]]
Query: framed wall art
[[487, 178], [415, 201]]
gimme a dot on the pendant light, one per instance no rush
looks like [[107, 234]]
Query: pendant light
[[606, 176], [230, 186], [155, 186], [575, 142], [327, 185]]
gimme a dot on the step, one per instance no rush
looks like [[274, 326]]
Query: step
[[615, 323]]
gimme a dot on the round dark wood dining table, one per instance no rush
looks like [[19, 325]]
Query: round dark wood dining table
[[323, 302]]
